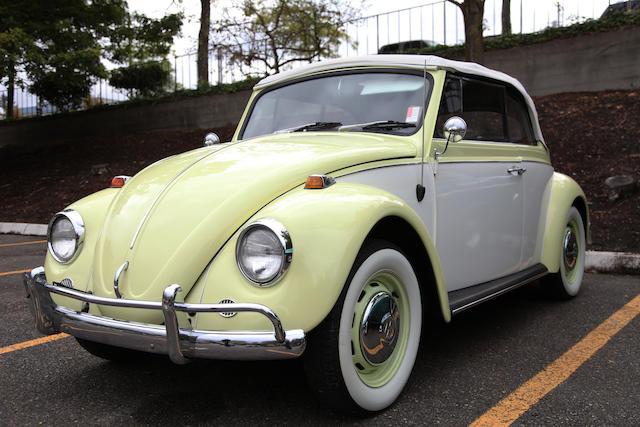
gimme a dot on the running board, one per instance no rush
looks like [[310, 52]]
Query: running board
[[464, 299]]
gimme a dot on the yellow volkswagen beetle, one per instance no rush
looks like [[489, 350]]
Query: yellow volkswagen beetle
[[356, 195]]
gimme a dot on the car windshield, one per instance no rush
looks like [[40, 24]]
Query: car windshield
[[360, 102]]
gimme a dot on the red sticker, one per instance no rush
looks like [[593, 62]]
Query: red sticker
[[413, 113]]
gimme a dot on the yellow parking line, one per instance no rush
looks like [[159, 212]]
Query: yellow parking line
[[6, 273], [520, 401], [32, 343], [22, 243]]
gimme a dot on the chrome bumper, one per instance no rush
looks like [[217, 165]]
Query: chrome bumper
[[179, 344]]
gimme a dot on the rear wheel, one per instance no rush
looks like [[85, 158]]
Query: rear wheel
[[360, 357], [567, 281]]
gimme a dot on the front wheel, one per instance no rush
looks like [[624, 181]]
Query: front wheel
[[566, 283], [360, 357]]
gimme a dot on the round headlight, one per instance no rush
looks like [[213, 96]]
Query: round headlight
[[65, 235], [264, 252]]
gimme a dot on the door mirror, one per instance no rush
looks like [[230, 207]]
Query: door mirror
[[211, 139], [455, 128]]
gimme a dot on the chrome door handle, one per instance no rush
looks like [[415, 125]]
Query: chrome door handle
[[516, 170]]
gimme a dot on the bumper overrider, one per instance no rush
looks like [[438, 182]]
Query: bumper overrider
[[179, 344]]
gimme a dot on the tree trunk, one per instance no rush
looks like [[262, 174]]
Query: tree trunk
[[473, 12], [203, 44], [506, 17], [10, 90]]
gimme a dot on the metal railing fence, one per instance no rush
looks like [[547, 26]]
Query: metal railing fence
[[438, 22], [441, 22]]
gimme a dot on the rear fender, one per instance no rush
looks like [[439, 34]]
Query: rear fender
[[564, 193]]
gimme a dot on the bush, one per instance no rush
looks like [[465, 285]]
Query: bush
[[146, 79]]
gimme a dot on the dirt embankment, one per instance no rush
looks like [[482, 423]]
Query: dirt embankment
[[591, 136]]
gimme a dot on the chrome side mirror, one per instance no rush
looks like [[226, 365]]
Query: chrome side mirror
[[455, 128], [211, 139]]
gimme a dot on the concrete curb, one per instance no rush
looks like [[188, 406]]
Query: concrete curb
[[22, 228], [613, 262], [602, 262]]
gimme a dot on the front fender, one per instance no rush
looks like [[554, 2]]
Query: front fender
[[93, 209], [327, 228], [564, 194]]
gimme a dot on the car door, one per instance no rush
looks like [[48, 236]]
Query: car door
[[479, 187], [535, 160]]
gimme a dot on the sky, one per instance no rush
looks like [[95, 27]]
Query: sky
[[535, 12]]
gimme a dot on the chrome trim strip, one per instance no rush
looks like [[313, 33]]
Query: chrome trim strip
[[179, 344], [443, 160], [395, 165], [498, 293], [116, 279]]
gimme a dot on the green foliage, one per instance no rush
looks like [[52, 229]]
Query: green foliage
[[142, 38], [611, 22], [65, 82], [143, 44], [275, 33], [147, 78], [14, 44], [55, 47]]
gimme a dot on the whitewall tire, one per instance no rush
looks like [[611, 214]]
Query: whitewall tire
[[566, 283], [367, 346]]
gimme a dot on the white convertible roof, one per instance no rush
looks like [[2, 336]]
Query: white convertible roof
[[416, 62], [402, 61]]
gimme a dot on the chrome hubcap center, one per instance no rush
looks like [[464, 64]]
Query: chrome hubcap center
[[570, 249], [380, 328]]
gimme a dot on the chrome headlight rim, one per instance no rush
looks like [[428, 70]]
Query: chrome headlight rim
[[78, 228], [286, 246]]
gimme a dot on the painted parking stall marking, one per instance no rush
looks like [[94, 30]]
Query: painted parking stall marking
[[32, 343], [520, 401], [7, 273], [4, 245]]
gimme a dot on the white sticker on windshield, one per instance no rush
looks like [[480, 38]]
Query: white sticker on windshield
[[413, 113]]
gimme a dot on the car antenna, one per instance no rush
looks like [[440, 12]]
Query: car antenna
[[420, 190]]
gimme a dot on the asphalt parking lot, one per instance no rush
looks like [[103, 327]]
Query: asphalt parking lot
[[492, 364]]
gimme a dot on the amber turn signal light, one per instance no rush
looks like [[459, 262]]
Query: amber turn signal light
[[119, 181], [318, 182]]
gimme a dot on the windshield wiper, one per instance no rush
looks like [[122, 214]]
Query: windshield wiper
[[382, 124], [311, 126]]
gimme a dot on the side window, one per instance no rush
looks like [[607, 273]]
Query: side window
[[493, 111], [483, 109]]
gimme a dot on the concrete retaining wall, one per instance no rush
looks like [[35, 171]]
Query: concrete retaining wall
[[592, 62], [198, 112]]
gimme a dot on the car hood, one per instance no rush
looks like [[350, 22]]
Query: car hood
[[170, 219]]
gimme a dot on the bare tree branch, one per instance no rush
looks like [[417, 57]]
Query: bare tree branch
[[277, 33]]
